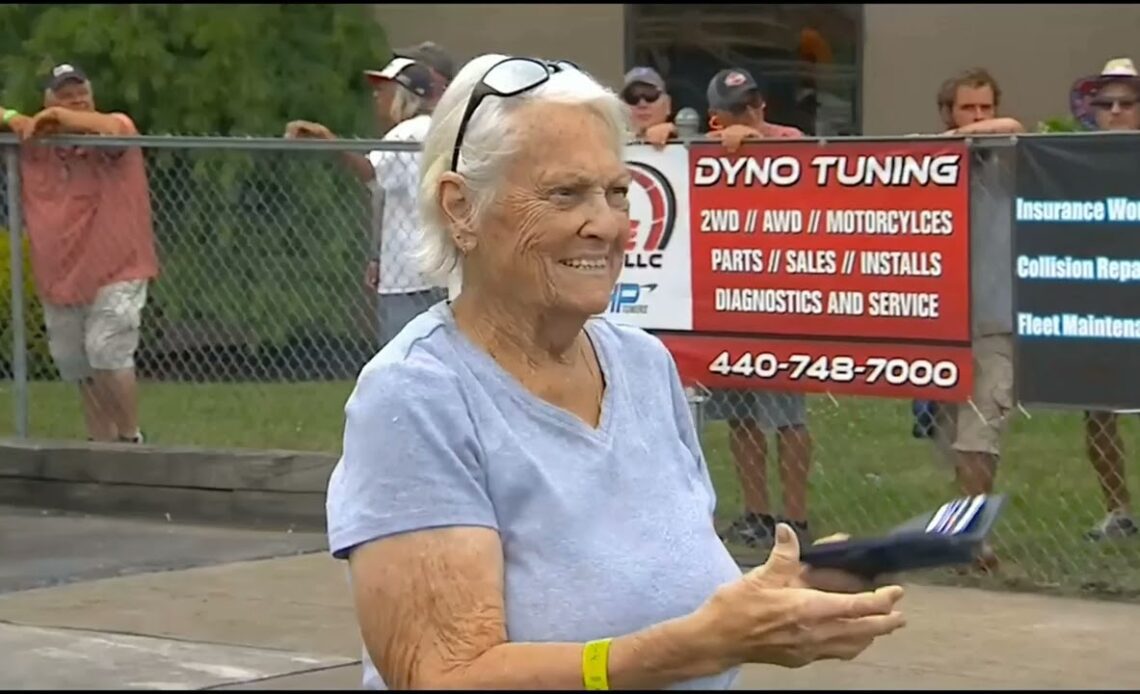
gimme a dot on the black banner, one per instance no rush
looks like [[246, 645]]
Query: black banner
[[1076, 267]]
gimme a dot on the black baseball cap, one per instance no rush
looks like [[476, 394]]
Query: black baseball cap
[[405, 72], [731, 89], [431, 54], [62, 74]]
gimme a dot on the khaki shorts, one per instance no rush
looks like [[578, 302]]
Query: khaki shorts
[[100, 336], [979, 429]]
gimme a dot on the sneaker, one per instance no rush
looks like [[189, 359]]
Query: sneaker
[[803, 533], [986, 562], [756, 530], [1114, 526], [136, 439]]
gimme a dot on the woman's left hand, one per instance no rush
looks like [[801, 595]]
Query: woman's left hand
[[836, 580]]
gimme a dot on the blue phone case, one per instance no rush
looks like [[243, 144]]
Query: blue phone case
[[908, 547]]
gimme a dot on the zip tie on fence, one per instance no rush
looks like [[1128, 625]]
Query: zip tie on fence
[[1022, 410], [977, 411]]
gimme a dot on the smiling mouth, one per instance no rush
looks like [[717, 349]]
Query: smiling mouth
[[599, 265]]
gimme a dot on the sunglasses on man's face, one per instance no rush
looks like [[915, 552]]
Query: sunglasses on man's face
[[1106, 103], [634, 98]]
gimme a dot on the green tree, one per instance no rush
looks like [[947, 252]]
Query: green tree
[[195, 69], [266, 248]]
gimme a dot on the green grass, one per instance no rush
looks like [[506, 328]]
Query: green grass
[[868, 474]]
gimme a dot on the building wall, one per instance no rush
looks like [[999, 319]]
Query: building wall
[[591, 36], [1034, 51]]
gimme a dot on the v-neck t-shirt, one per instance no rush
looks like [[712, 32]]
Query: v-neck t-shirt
[[605, 530]]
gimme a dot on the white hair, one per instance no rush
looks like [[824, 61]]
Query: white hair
[[488, 143], [406, 104]]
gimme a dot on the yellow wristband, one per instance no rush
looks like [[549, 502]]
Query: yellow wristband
[[9, 115], [596, 665]]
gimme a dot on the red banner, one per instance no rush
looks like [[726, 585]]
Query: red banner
[[934, 372], [825, 243]]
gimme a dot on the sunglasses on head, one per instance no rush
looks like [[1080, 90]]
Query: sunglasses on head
[[1106, 103], [506, 78], [635, 97]]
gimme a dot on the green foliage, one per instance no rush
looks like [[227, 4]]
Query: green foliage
[[35, 337], [268, 245], [194, 69], [271, 245], [1063, 124]]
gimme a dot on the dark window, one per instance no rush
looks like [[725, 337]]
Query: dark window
[[805, 57]]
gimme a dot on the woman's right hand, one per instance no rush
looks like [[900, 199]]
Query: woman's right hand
[[769, 616]]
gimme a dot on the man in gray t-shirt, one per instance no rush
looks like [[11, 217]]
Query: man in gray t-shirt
[[969, 434]]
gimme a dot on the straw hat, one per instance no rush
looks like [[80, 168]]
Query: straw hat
[[1084, 89]]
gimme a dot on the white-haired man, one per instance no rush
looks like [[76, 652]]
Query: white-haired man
[[407, 90]]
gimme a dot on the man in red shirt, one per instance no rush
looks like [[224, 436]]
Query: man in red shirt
[[737, 110], [88, 219], [736, 113]]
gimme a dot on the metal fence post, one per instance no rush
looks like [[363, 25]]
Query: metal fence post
[[696, 399], [688, 124], [16, 255]]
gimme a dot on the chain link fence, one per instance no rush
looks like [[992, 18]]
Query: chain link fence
[[265, 303], [266, 307]]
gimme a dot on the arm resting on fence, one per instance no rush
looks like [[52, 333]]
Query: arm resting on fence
[[13, 120], [90, 122], [994, 126], [358, 164]]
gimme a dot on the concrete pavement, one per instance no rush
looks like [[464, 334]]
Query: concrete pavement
[[287, 623], [78, 659], [42, 548]]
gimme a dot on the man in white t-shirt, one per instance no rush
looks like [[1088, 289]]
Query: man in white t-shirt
[[407, 90]]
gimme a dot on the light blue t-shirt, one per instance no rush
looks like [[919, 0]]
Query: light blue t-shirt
[[605, 531]]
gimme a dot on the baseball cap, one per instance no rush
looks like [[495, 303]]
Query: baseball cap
[[405, 72], [431, 54], [730, 89], [63, 73], [643, 75]]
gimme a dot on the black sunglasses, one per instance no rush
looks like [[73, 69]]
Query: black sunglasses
[[1107, 103], [506, 78], [634, 98]]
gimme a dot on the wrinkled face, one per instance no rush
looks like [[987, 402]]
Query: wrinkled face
[[74, 95], [648, 105], [556, 233], [972, 105], [1115, 107]]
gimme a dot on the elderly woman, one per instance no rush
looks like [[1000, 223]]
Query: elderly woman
[[522, 499], [1109, 101]]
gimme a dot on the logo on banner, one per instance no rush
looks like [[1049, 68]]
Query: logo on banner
[[629, 297], [652, 216]]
